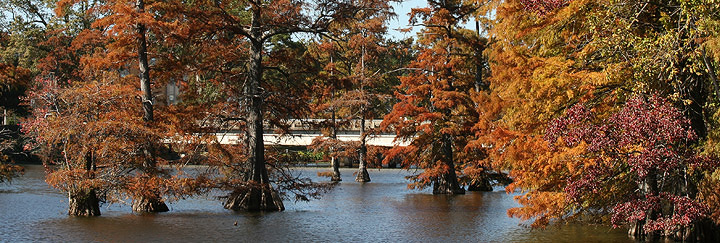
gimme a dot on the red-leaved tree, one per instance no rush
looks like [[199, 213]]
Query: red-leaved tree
[[639, 164]]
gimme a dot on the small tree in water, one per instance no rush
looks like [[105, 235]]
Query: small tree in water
[[92, 138], [436, 111]]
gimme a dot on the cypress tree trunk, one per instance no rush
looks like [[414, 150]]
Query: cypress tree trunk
[[147, 100], [150, 204], [481, 184], [333, 161], [637, 230], [362, 174], [479, 84], [651, 188], [154, 203], [255, 198], [259, 195], [83, 203], [336, 169], [447, 183], [694, 89]]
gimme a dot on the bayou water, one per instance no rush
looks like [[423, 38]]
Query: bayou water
[[383, 210]]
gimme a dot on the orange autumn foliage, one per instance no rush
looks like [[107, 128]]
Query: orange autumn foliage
[[544, 61], [436, 110], [539, 69]]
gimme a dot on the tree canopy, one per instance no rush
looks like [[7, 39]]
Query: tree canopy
[[613, 58]]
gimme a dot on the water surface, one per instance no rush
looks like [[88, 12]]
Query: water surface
[[383, 210]]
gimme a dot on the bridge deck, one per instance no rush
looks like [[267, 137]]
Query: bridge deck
[[306, 139]]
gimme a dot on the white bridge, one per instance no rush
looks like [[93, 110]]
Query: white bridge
[[303, 132], [306, 139]]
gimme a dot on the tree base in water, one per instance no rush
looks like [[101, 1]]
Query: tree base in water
[[83, 203], [481, 185], [335, 170], [703, 231], [149, 205], [362, 176], [255, 199], [447, 187]]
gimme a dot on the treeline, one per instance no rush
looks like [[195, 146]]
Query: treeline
[[599, 111]]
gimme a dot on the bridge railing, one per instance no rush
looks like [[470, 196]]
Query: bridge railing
[[319, 124]]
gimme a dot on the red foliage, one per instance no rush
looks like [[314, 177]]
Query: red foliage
[[641, 155], [686, 212], [652, 129]]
